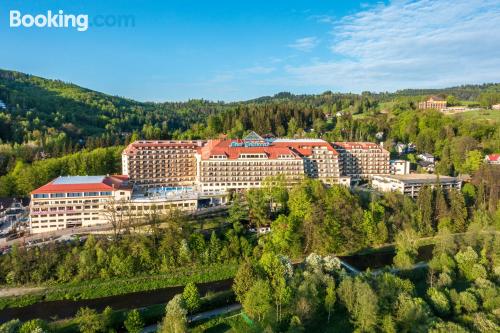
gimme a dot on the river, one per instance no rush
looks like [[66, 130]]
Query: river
[[50, 310]]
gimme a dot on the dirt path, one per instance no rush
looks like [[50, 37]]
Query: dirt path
[[19, 291]]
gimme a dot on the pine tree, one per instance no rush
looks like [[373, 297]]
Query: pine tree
[[458, 211], [191, 297], [424, 204]]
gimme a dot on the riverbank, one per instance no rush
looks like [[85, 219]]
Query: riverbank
[[60, 309], [96, 289]]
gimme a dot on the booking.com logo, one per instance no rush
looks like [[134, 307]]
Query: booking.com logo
[[59, 19]]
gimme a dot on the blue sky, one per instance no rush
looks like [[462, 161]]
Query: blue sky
[[236, 50]]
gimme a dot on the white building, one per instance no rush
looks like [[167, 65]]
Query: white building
[[426, 157], [412, 183], [83, 201], [400, 167]]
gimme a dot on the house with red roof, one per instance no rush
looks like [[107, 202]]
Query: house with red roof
[[492, 159]]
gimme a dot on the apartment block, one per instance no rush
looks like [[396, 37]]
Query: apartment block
[[151, 164], [362, 160]]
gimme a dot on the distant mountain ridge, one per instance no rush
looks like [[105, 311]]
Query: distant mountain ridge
[[36, 105]]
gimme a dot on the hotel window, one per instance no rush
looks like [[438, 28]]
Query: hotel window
[[39, 196], [74, 194]]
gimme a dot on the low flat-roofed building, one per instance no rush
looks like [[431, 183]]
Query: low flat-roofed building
[[412, 183]]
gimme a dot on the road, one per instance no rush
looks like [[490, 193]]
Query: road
[[201, 316]]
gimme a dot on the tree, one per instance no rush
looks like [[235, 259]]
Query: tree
[[175, 320], [458, 211], [134, 323], [361, 302], [293, 127], [439, 301], [34, 325], [406, 249], [470, 268], [257, 302], [472, 162], [330, 297], [412, 314], [440, 205], [244, 280], [447, 327], [191, 297], [424, 204], [12, 326], [114, 213], [237, 214], [258, 207], [88, 320], [279, 270]]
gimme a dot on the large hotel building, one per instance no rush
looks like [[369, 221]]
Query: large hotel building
[[164, 175], [153, 164], [242, 164], [362, 160]]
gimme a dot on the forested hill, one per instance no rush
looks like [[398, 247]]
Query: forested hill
[[36, 107], [470, 92]]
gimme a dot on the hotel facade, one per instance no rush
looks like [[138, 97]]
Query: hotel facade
[[151, 164], [362, 160], [161, 176], [85, 201]]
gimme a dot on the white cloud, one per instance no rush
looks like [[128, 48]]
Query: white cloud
[[305, 44], [403, 44]]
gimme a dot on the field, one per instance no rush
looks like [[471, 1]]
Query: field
[[487, 115]]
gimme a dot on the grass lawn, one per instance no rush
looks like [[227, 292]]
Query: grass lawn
[[487, 115], [123, 285]]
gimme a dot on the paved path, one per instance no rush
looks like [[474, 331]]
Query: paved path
[[201, 316]]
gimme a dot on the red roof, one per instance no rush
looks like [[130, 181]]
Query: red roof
[[296, 148], [108, 183], [158, 144], [356, 145], [493, 157]]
